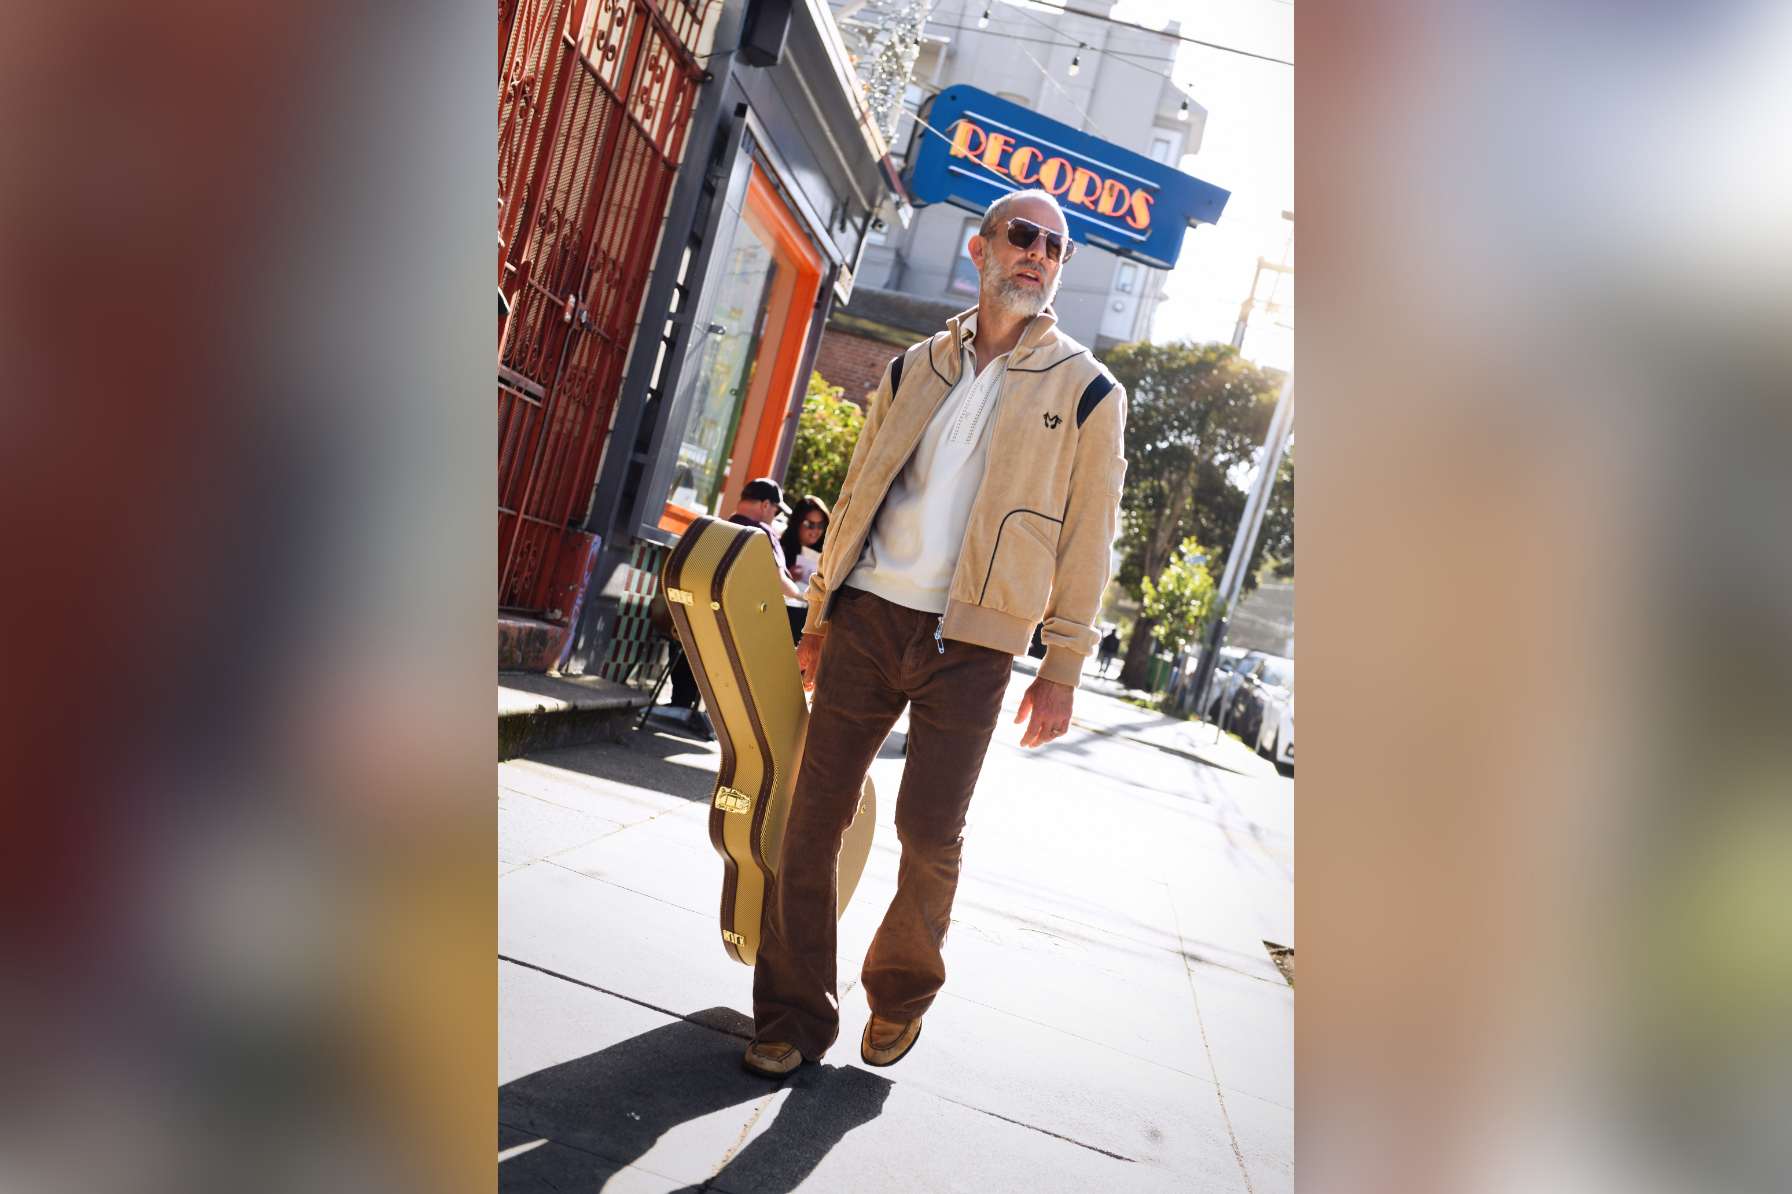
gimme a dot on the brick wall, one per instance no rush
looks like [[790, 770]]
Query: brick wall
[[856, 363]]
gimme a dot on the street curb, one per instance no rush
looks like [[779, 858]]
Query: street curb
[[538, 712]]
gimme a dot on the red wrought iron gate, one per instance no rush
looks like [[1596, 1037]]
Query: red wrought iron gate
[[594, 102]]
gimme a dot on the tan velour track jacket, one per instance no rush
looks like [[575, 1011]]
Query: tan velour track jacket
[[1037, 543]]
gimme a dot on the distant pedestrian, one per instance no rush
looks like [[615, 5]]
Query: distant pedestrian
[[1110, 647]]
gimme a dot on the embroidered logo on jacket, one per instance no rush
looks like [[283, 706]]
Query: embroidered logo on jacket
[[1052, 421]]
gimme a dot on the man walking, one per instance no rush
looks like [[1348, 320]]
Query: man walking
[[981, 501]]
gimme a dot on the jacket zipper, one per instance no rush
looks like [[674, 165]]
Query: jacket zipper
[[827, 607], [938, 639], [959, 420]]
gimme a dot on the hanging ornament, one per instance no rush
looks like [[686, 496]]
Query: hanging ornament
[[885, 38]]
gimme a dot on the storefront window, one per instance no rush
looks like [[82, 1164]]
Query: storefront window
[[743, 374], [724, 371]]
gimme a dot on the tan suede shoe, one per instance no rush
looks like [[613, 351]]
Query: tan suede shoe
[[887, 1041], [771, 1059]]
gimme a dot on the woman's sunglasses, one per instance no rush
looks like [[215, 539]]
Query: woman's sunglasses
[[812, 524], [1022, 234]]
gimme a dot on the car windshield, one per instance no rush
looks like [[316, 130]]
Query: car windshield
[[1279, 672]]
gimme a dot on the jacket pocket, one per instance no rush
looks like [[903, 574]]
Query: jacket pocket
[[1019, 578]]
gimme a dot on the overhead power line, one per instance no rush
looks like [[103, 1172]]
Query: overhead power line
[[1123, 56], [1057, 39], [1050, 41], [1096, 16], [1088, 120]]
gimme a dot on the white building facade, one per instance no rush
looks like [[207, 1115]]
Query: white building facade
[[1120, 93]]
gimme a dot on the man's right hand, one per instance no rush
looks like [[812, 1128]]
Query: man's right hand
[[808, 659]]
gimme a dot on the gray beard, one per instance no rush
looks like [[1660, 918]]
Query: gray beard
[[1022, 300]]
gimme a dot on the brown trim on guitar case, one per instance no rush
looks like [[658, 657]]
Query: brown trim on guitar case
[[717, 817], [767, 776]]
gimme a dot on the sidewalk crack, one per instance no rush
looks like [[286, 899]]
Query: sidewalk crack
[[550, 861], [1076, 1036], [652, 1007], [1021, 1123], [1219, 1089]]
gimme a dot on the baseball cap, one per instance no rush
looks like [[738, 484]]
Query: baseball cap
[[764, 489]]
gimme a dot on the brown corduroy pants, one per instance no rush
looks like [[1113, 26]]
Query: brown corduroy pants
[[877, 658]]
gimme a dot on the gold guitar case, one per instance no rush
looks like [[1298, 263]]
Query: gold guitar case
[[721, 586]]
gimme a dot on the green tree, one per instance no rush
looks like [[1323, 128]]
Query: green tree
[[1197, 416], [1181, 599], [825, 435]]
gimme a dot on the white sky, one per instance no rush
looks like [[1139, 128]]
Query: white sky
[[1248, 148]]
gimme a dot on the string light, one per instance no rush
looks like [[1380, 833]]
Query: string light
[[1183, 114], [1076, 59], [983, 21]]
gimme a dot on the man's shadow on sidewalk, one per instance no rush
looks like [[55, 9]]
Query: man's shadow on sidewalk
[[609, 1108]]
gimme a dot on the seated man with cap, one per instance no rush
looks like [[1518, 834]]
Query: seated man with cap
[[760, 502]]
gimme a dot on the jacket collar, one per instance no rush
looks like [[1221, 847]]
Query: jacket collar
[[1040, 332]]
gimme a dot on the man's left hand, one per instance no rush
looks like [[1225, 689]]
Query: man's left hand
[[1048, 704]]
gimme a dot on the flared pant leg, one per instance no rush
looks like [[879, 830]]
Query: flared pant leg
[[856, 702]]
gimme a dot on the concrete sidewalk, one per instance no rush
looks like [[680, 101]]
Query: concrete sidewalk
[[1120, 717], [1112, 1021]]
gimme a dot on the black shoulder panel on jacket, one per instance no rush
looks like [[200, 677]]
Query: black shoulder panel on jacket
[[1093, 393], [896, 374]]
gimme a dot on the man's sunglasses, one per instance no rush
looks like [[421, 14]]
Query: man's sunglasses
[[1022, 234]]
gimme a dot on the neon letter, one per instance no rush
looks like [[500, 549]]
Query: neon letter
[[1024, 158], [1055, 175], [961, 140], [1116, 197], [1140, 217], [1085, 185], [997, 148]]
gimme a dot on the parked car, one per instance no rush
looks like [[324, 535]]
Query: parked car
[[1268, 682], [1275, 737], [1228, 671]]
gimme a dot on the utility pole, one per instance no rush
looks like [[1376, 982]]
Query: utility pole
[[1244, 310], [1270, 463], [1281, 423]]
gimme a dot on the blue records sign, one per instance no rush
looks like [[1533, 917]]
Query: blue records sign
[[980, 146]]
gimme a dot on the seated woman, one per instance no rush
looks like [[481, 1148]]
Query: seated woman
[[803, 537]]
